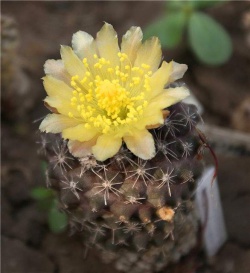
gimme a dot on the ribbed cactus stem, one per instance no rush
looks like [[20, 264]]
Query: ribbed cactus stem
[[139, 213]]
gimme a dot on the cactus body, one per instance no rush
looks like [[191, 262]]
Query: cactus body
[[138, 213]]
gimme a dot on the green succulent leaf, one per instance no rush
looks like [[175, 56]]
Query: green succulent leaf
[[201, 4], [169, 29], [41, 193], [57, 220], [176, 4], [208, 39]]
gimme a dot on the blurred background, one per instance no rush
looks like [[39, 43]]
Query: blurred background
[[211, 37]]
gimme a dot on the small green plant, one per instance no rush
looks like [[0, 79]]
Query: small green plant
[[47, 200], [208, 39]]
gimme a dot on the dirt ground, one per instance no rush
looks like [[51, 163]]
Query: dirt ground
[[27, 244]]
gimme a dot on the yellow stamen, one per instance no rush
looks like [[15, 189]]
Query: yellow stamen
[[109, 97]]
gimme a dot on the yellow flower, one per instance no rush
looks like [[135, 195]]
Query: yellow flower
[[102, 94]]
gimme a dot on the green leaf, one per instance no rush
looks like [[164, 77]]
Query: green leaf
[[175, 5], [202, 4], [45, 204], [41, 193], [208, 39], [57, 220], [187, 5], [169, 29]]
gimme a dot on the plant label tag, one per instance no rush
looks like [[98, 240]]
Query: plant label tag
[[209, 208]]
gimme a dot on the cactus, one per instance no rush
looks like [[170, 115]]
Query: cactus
[[135, 206]]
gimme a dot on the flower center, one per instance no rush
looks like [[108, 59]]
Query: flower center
[[110, 96]]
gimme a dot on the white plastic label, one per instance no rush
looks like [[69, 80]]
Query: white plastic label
[[210, 212]]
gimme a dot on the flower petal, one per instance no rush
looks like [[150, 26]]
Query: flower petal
[[71, 62], [81, 149], [57, 88], [149, 53], [56, 69], [153, 113], [107, 43], [58, 105], [52, 109], [161, 77], [141, 143], [178, 71], [54, 123], [106, 147], [131, 42], [84, 46], [79, 132], [169, 97], [152, 116], [60, 95]]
